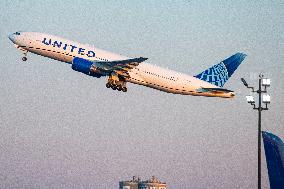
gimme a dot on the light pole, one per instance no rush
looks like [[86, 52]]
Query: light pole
[[263, 97]]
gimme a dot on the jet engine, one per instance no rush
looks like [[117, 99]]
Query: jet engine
[[85, 66]]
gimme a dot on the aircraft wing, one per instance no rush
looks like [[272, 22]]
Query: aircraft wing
[[121, 67], [121, 64], [103, 68]]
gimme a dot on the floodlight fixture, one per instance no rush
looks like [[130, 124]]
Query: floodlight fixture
[[250, 99], [266, 82], [266, 98]]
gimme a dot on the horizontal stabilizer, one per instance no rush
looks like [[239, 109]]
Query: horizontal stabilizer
[[216, 90]]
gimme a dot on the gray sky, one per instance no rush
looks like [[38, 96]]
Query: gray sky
[[62, 129]]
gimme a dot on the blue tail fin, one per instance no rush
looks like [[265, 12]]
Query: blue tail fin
[[274, 152], [220, 73]]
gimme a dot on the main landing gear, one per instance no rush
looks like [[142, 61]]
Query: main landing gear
[[24, 58], [116, 84]]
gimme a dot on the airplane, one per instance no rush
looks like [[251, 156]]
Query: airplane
[[120, 69]]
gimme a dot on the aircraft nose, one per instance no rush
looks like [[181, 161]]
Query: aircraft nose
[[12, 37]]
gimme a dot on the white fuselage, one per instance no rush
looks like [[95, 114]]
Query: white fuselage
[[144, 74]]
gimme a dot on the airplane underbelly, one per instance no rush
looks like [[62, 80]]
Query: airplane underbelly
[[155, 83]]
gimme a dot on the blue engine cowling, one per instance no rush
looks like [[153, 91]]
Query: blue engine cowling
[[84, 66]]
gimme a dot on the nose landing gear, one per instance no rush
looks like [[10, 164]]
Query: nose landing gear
[[25, 52]]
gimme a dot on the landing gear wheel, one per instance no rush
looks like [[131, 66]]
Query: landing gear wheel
[[124, 89], [24, 58], [119, 88], [107, 85], [113, 87]]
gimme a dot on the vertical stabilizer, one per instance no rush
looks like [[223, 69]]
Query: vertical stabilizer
[[274, 152], [220, 73]]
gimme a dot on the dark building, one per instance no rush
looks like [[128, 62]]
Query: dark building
[[136, 183]]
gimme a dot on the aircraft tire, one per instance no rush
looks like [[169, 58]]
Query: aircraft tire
[[124, 89], [113, 87], [24, 58]]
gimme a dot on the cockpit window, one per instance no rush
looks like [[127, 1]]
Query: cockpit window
[[18, 33]]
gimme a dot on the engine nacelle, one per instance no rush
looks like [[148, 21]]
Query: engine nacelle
[[85, 66]]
